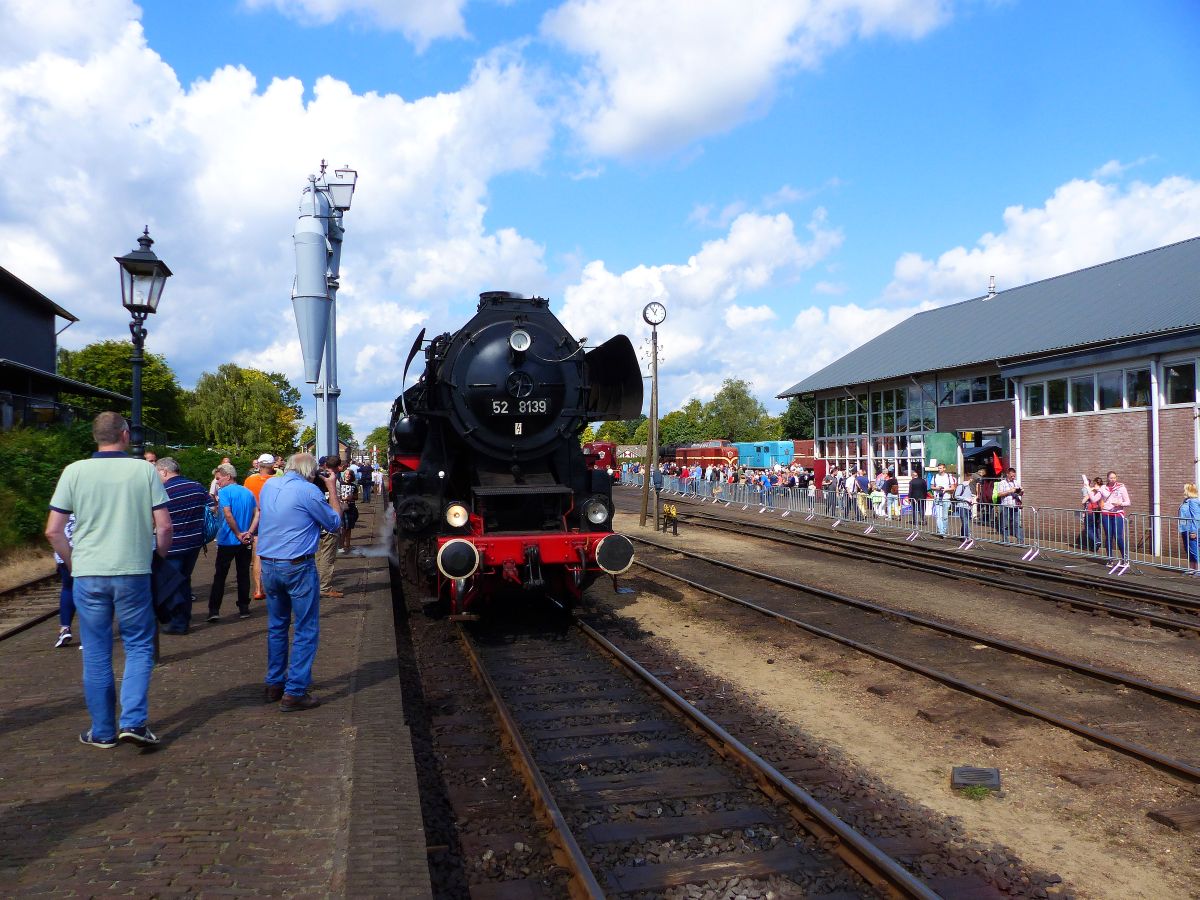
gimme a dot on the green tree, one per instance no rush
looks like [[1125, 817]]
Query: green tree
[[236, 408], [734, 415], [683, 426], [642, 434], [796, 423], [377, 438], [618, 432], [105, 364], [587, 435]]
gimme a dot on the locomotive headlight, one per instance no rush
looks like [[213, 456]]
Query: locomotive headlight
[[520, 340], [595, 510], [457, 515]]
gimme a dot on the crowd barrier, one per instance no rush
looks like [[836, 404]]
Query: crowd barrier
[[1118, 541]]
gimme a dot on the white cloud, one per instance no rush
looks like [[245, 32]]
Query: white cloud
[[97, 127], [421, 21], [660, 74], [1114, 168], [700, 346], [1083, 223]]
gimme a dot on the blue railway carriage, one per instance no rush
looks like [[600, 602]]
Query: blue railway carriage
[[765, 454]]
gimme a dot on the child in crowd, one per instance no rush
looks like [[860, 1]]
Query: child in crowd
[[66, 593]]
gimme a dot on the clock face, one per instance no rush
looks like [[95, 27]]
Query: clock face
[[654, 313]]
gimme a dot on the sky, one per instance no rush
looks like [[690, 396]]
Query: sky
[[789, 178]]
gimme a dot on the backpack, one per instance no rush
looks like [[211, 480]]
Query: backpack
[[212, 523]]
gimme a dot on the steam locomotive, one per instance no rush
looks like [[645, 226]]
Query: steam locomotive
[[491, 490]]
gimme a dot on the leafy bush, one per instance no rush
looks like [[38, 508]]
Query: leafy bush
[[33, 459]]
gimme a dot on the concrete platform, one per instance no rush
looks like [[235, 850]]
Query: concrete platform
[[239, 799]]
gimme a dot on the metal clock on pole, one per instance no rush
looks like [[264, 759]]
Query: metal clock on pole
[[654, 313]]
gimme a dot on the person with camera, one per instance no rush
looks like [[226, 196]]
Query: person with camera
[[292, 514], [1009, 493], [943, 492], [327, 548]]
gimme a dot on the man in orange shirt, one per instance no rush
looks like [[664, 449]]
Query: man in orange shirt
[[254, 483]]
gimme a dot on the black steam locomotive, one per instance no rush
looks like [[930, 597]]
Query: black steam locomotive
[[489, 483]]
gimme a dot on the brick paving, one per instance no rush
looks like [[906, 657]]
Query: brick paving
[[239, 799]]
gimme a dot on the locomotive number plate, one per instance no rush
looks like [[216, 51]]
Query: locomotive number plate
[[520, 407]]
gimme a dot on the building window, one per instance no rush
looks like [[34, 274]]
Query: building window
[[1035, 399], [976, 389], [1108, 389], [1083, 394], [1056, 396], [1181, 382], [1137, 387]]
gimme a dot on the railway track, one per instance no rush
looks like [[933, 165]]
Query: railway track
[[28, 605], [624, 770], [1136, 603], [1066, 693]]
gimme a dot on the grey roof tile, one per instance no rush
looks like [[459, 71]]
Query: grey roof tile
[[1150, 293]]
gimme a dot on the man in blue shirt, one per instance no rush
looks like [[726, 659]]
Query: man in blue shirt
[[292, 512], [239, 521], [188, 499]]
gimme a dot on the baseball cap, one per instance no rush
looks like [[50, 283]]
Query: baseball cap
[[266, 459]]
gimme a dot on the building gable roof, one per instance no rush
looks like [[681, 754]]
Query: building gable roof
[[13, 286], [1150, 293]]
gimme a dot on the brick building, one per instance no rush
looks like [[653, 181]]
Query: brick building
[[1074, 375]]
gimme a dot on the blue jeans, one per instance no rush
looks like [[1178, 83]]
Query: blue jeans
[[293, 592], [941, 511], [1010, 524], [1114, 535], [96, 599], [181, 603], [366, 489], [66, 597], [964, 519]]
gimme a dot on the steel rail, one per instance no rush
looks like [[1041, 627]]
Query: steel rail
[[567, 852], [1112, 675], [880, 870], [1123, 589], [36, 620], [836, 547], [1178, 768]]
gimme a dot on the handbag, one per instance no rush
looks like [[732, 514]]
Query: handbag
[[212, 523]]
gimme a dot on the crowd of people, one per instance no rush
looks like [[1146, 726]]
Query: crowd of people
[[979, 503], [127, 533]]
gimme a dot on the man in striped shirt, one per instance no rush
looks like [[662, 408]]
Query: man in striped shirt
[[187, 501]]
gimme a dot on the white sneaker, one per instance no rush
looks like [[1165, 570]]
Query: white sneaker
[[64, 637]]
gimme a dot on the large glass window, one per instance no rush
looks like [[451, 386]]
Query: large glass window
[[1083, 393], [979, 389], [1137, 387], [1108, 389], [996, 387], [1056, 396], [1181, 382], [1035, 399]]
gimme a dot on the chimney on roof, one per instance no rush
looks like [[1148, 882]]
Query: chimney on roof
[[991, 287]]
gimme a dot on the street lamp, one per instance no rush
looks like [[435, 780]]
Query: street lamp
[[654, 314], [143, 276]]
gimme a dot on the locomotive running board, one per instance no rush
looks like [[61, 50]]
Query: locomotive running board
[[463, 617]]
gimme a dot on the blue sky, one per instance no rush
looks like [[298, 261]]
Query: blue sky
[[790, 178]]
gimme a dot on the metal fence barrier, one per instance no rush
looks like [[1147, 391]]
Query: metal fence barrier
[[1118, 541]]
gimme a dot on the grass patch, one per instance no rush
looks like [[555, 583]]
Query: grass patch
[[975, 792]]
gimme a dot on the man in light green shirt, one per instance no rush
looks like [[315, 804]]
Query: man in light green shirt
[[121, 516]]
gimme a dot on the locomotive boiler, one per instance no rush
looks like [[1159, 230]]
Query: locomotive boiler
[[490, 486]]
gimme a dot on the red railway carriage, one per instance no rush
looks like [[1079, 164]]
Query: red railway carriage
[[707, 453]]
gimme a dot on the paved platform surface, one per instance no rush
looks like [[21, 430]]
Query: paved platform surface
[[239, 799]]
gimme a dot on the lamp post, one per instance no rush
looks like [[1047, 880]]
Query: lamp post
[[143, 276], [654, 314]]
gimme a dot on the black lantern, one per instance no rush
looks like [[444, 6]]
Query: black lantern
[[143, 276]]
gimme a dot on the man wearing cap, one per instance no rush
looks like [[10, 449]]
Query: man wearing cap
[[264, 470]]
